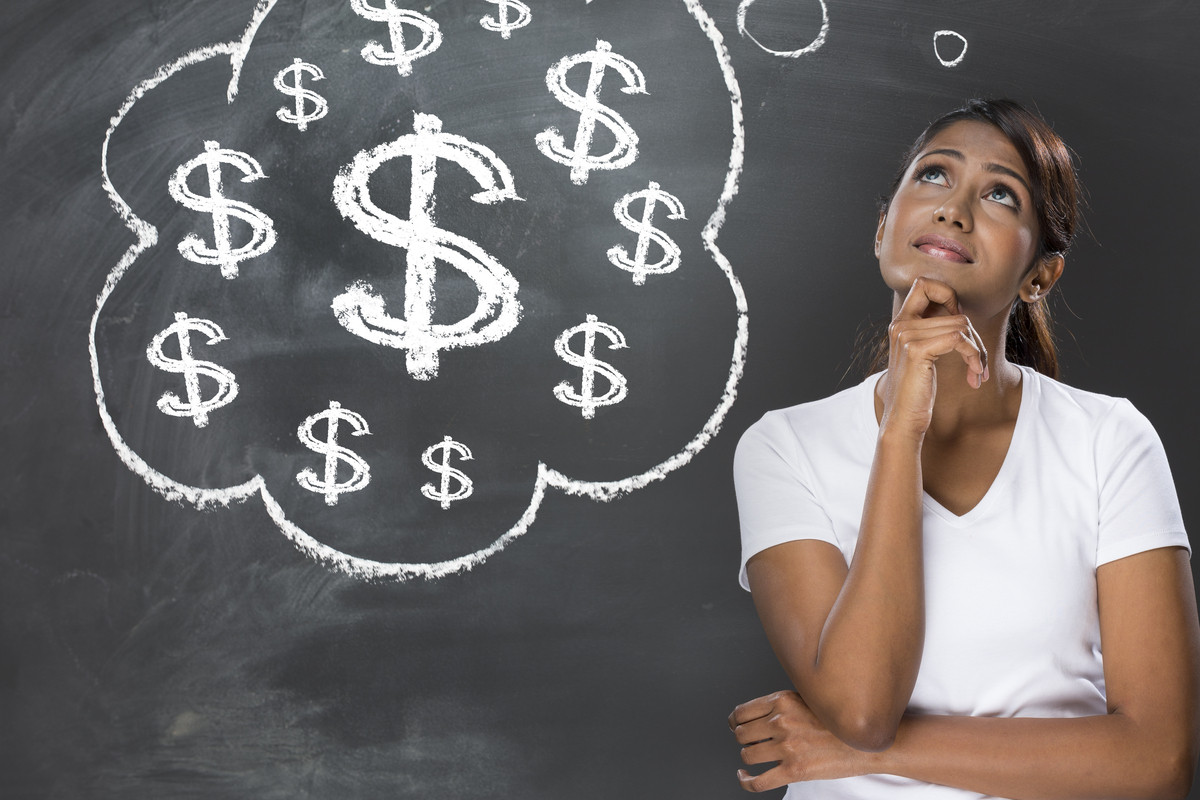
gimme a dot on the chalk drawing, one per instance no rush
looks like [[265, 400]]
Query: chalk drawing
[[442, 493], [236, 49], [744, 6], [579, 157], [501, 22], [586, 398], [222, 253], [195, 406], [954, 62], [146, 237], [301, 116], [362, 312], [400, 56], [328, 484], [647, 233]]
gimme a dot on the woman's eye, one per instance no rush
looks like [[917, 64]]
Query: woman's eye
[[1001, 194], [934, 175]]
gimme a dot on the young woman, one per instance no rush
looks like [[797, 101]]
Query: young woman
[[976, 577]]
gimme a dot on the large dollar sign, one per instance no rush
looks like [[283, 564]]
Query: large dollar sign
[[195, 406], [400, 56], [335, 454], [442, 493], [586, 398], [223, 253], [647, 233], [579, 158], [501, 22], [301, 116], [361, 311]]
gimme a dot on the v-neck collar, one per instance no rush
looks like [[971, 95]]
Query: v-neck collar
[[1025, 414]]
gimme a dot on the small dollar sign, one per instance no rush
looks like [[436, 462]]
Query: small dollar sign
[[647, 233], [196, 406], [301, 116], [360, 471], [192, 247], [501, 23], [362, 312], [399, 56], [579, 158], [442, 493], [586, 398]]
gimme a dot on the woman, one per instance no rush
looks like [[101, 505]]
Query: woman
[[941, 554]]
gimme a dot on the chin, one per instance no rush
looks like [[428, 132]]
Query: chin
[[900, 278]]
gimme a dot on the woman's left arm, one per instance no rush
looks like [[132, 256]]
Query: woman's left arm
[[1145, 746]]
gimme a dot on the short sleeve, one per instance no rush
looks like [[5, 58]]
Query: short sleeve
[[1139, 509], [775, 500]]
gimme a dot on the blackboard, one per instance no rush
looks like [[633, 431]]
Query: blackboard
[[573, 626]]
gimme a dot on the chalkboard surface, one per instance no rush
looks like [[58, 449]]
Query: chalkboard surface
[[372, 373]]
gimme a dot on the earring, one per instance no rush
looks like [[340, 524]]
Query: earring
[[1036, 293]]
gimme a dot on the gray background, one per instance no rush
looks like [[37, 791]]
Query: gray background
[[150, 650]]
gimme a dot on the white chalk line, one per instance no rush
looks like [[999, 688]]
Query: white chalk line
[[367, 569], [744, 6], [647, 232], [242, 46], [585, 399], [954, 62]]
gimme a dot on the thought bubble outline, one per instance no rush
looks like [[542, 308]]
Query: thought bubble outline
[[815, 44], [354, 566], [937, 52]]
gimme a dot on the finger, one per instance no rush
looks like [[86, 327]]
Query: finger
[[771, 779], [756, 730], [954, 341], [762, 752], [983, 353], [928, 337], [926, 297], [750, 710]]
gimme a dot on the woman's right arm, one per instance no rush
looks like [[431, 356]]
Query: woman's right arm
[[850, 637]]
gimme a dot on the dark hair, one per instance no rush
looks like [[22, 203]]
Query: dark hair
[[1056, 192]]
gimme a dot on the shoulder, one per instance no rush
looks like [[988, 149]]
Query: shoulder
[[1113, 426], [1056, 397], [1061, 403]]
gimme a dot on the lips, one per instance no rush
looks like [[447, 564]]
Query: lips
[[944, 248]]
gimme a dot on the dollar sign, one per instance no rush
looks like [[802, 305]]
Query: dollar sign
[[586, 398], [647, 233], [196, 406], [442, 493], [361, 311], [501, 22], [334, 453], [301, 117], [579, 158], [192, 247], [396, 18]]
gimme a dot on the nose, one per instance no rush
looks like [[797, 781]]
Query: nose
[[956, 211]]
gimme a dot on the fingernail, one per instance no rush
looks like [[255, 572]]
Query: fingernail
[[985, 372]]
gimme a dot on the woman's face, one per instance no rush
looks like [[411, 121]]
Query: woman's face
[[963, 214]]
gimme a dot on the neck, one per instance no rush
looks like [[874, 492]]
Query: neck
[[960, 407]]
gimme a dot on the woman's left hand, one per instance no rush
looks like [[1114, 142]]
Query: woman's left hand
[[780, 727]]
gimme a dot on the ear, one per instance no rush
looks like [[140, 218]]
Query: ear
[[1045, 273], [879, 231]]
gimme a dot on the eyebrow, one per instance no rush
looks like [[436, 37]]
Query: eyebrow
[[990, 167]]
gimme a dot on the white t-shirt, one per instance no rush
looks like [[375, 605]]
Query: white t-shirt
[[1011, 624]]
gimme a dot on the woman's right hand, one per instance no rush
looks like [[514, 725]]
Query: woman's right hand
[[928, 326]]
